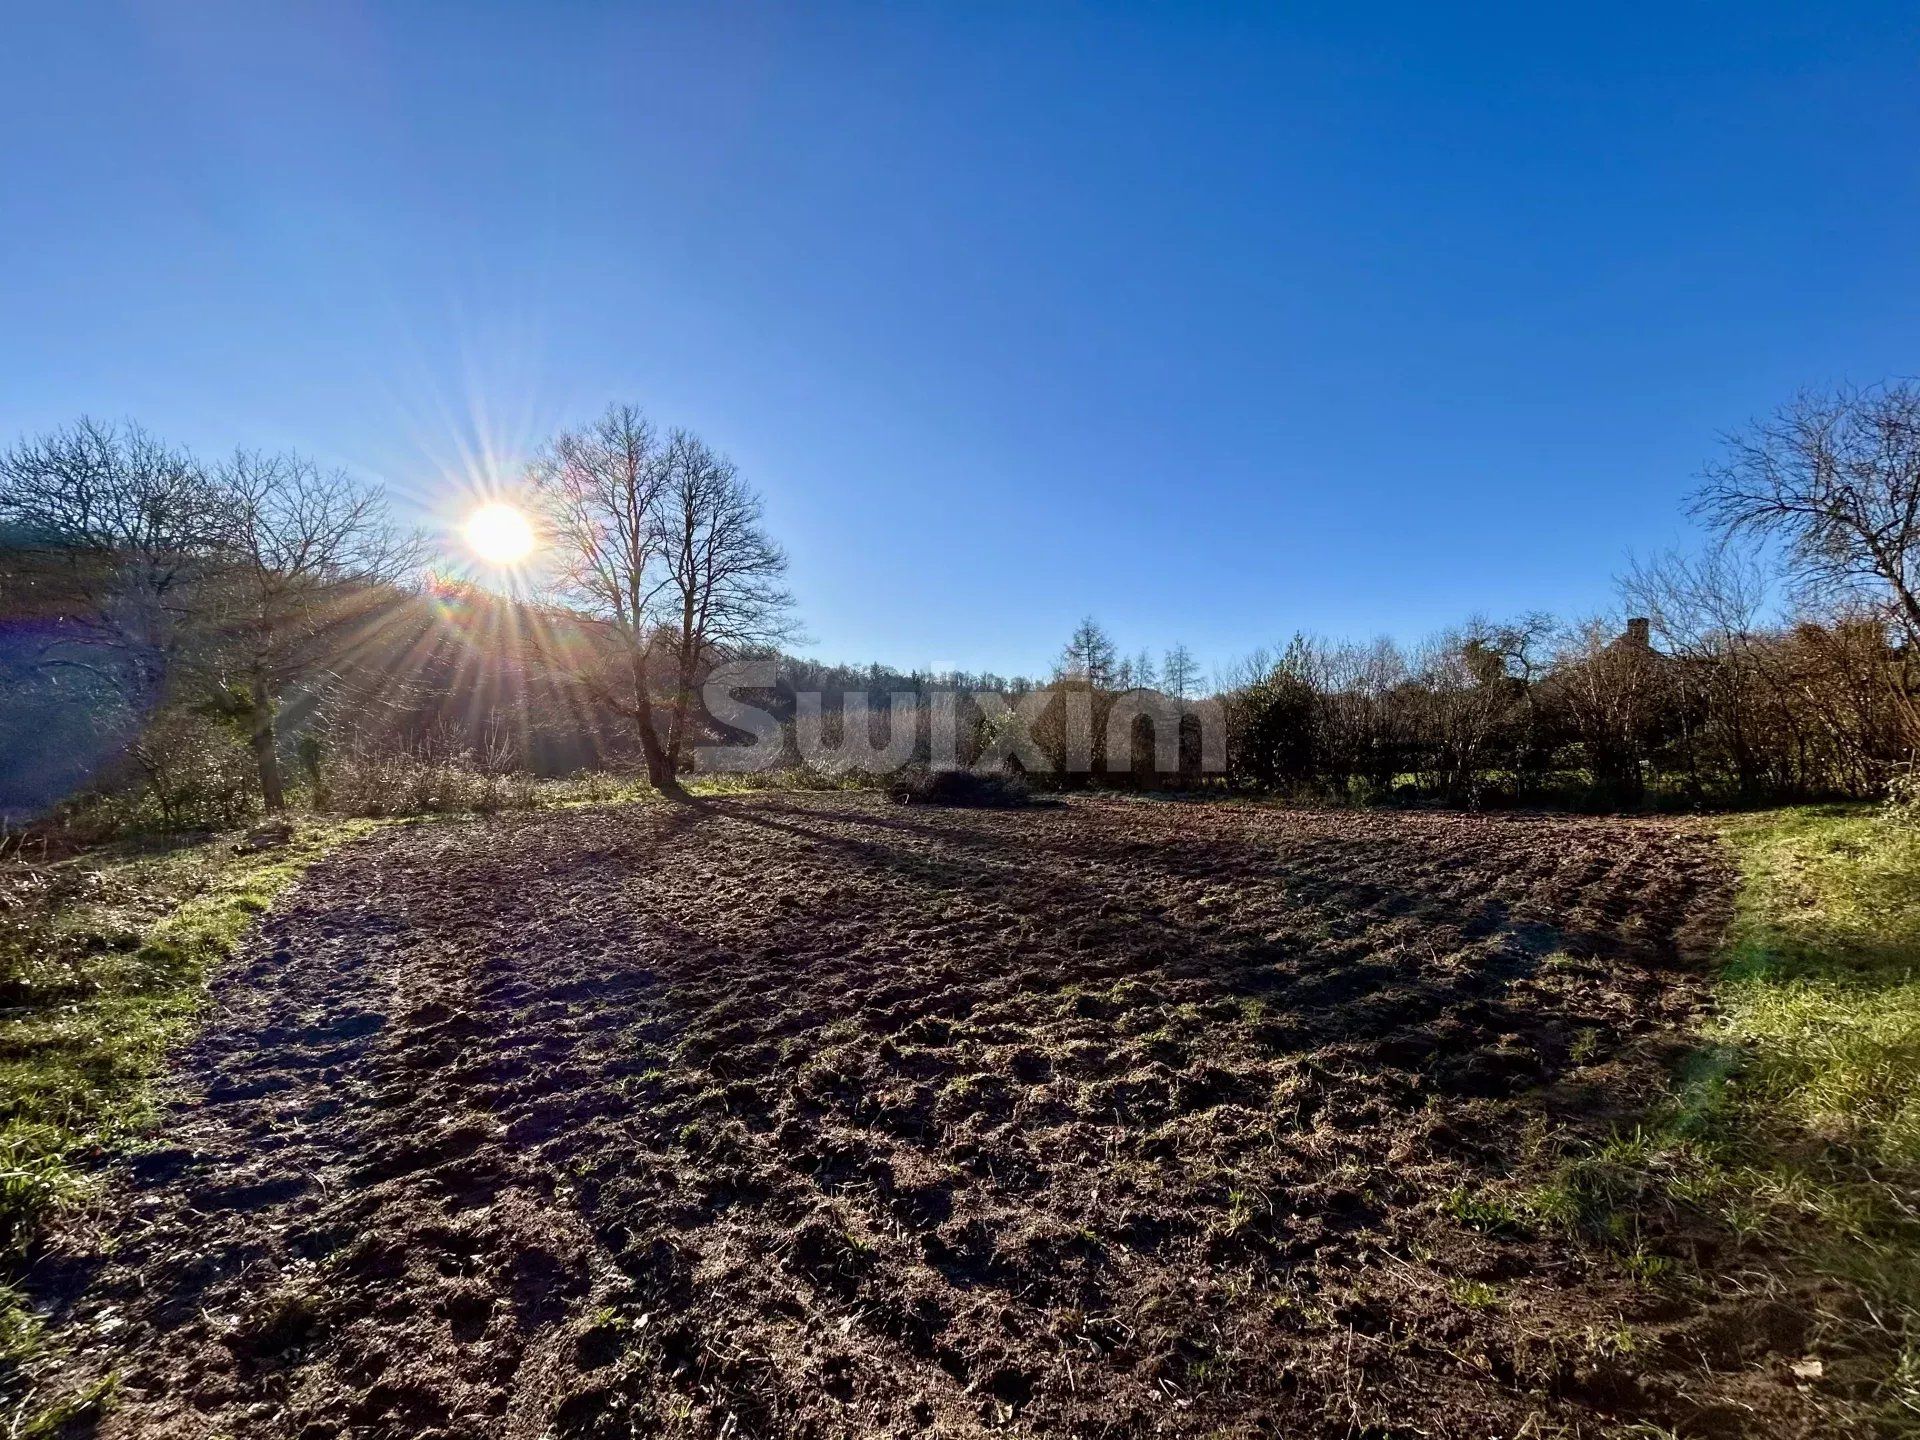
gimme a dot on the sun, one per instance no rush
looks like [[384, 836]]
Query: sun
[[500, 534]]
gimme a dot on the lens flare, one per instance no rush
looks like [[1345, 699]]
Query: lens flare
[[500, 534]]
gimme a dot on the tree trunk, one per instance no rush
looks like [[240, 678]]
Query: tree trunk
[[677, 724], [265, 753], [676, 729], [659, 767], [683, 673]]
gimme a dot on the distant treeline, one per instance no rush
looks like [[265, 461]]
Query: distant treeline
[[1525, 713], [1528, 712], [1595, 713], [188, 642]]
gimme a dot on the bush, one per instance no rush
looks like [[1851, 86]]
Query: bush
[[1271, 733], [590, 787], [918, 786], [195, 775], [183, 774], [422, 783]]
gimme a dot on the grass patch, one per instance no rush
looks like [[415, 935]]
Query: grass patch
[[1823, 984], [1822, 997], [1481, 1211], [104, 960], [1796, 1124], [1474, 1295]]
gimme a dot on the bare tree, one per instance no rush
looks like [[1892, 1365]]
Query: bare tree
[[1179, 676], [108, 533], [1704, 610], [1472, 700], [1836, 477], [1697, 604], [1364, 693], [1089, 655], [1614, 693], [601, 491], [725, 574], [308, 562], [1142, 673]]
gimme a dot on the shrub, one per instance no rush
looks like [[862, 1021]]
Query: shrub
[[194, 774], [420, 782], [183, 774], [919, 786], [1271, 733]]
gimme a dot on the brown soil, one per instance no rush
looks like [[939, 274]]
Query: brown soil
[[816, 1116]]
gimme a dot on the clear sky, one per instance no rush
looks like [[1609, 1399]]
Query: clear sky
[[1215, 321]]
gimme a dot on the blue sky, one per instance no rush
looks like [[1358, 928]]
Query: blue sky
[[1217, 322]]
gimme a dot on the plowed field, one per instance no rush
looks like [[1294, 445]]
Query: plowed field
[[819, 1116]]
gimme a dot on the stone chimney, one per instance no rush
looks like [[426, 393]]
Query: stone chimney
[[1640, 633]]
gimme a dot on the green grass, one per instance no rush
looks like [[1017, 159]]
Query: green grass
[[106, 958], [1474, 1295], [1484, 1212], [74, 1059], [1822, 999], [1823, 984], [1796, 1124]]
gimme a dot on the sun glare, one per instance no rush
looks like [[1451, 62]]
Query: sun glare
[[500, 534]]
